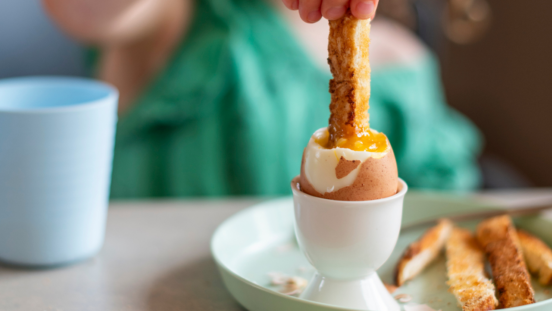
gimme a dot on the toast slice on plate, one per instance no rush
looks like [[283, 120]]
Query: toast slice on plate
[[422, 252], [538, 256], [466, 272], [500, 242]]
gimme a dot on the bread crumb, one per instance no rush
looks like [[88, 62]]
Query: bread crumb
[[403, 298], [289, 285]]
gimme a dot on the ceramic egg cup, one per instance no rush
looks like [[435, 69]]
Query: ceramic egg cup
[[346, 242]]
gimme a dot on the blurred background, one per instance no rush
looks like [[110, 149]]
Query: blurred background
[[502, 83], [30, 43], [495, 58], [495, 64]]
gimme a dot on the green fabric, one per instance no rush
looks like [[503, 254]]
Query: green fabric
[[435, 146], [239, 99]]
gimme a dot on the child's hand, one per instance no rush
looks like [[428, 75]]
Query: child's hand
[[312, 10]]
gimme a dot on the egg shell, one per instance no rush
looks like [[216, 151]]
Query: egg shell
[[344, 167], [376, 179]]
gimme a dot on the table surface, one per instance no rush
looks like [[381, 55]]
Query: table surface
[[156, 257]]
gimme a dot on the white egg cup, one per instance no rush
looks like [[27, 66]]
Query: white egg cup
[[347, 241]]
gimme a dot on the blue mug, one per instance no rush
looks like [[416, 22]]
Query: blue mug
[[56, 151]]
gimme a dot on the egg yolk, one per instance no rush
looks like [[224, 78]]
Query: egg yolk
[[369, 140]]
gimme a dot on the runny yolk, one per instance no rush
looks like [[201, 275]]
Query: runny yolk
[[369, 140]]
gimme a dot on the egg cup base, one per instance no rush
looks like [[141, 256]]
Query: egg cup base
[[367, 293], [347, 242]]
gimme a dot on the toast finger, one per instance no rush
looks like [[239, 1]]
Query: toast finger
[[538, 256], [500, 242], [466, 272], [348, 50], [422, 252]]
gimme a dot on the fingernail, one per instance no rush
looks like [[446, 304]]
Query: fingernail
[[294, 4], [314, 16], [335, 12], [365, 9]]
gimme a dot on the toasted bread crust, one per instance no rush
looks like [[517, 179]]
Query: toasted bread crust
[[466, 272], [349, 63], [422, 252], [499, 240], [538, 256]]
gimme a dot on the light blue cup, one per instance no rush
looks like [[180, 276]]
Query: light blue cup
[[56, 150]]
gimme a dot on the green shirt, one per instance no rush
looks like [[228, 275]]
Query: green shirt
[[236, 104]]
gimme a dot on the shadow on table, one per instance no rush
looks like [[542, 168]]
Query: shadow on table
[[195, 287]]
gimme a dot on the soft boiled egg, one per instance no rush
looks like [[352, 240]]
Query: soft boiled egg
[[346, 174]]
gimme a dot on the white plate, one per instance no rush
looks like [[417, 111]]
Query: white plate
[[260, 240]]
